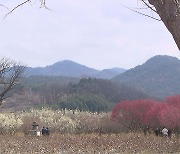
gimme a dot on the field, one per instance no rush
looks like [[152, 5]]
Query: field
[[88, 144], [74, 132]]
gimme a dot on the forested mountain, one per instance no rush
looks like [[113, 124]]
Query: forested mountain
[[109, 73], [91, 94], [156, 78], [113, 92], [159, 76], [39, 80], [72, 69], [63, 68], [86, 94]]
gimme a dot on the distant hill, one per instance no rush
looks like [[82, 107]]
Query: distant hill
[[63, 68], [159, 76], [112, 91], [72, 69], [109, 73]]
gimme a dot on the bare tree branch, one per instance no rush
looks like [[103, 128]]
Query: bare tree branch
[[42, 5], [4, 7], [10, 73], [139, 12], [169, 12], [17, 7], [149, 6]]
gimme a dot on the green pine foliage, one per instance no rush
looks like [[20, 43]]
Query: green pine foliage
[[86, 94], [85, 102]]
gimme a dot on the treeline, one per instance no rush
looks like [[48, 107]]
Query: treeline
[[87, 94]]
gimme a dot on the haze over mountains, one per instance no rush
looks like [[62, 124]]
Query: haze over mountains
[[72, 69], [158, 77]]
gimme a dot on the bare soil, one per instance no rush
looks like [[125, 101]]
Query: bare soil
[[88, 144]]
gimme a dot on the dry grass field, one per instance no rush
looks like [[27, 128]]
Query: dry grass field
[[88, 144], [64, 138]]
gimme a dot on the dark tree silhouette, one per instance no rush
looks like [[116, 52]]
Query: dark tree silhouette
[[10, 73]]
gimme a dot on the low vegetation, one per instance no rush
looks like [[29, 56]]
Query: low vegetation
[[72, 131], [59, 121]]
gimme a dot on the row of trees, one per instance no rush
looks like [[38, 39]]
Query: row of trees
[[148, 114], [87, 94], [84, 102]]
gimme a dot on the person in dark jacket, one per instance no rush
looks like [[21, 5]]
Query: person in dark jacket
[[169, 133], [43, 131], [47, 131], [157, 132]]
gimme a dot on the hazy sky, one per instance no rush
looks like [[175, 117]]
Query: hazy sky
[[96, 33]]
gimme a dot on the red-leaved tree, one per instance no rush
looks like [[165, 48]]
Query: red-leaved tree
[[152, 117], [173, 101], [145, 114], [132, 113], [170, 117]]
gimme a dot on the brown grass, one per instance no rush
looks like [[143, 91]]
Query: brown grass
[[88, 144]]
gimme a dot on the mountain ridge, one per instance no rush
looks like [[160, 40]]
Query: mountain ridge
[[72, 69], [159, 76]]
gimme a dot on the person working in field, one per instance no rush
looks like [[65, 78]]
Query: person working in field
[[47, 131], [169, 133], [157, 132], [43, 131], [165, 132]]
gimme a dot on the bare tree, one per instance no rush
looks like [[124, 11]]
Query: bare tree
[[10, 73], [169, 12]]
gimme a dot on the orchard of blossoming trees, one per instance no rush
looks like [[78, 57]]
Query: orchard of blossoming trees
[[148, 114]]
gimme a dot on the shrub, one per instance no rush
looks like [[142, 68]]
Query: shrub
[[10, 123]]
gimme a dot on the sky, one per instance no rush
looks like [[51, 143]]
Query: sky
[[100, 34]]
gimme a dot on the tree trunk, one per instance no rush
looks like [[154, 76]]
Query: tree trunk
[[169, 12]]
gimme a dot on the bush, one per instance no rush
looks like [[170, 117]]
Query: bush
[[10, 123]]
